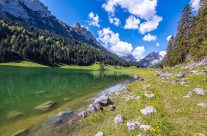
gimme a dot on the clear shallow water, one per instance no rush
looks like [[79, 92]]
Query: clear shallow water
[[21, 89]]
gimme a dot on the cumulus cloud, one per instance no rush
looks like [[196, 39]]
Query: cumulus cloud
[[162, 53], [132, 23], [195, 4], [149, 38], [168, 38], [112, 41], [143, 9], [157, 44], [150, 25], [93, 19], [138, 52], [115, 21]]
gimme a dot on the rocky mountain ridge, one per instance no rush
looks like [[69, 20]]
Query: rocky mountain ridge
[[33, 12]]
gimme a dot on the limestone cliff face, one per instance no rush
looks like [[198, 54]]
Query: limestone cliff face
[[35, 13]]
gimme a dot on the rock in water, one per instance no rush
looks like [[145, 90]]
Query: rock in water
[[45, 106], [91, 108], [179, 75], [200, 91], [133, 125], [103, 100], [118, 119], [148, 111], [202, 105], [14, 114], [100, 134], [83, 114], [22, 132]]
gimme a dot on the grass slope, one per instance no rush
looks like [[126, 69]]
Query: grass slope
[[176, 116]]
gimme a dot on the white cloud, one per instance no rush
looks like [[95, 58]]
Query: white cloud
[[115, 21], [157, 44], [149, 38], [94, 19], [162, 53], [144, 9], [150, 25], [195, 4], [112, 41], [132, 23], [168, 38], [138, 52]]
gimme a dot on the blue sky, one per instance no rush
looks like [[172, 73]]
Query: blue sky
[[153, 19]]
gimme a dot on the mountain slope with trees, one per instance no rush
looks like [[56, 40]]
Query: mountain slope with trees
[[20, 42], [190, 42]]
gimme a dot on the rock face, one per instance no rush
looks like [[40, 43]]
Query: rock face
[[33, 12], [200, 91], [148, 111], [45, 106], [118, 119], [152, 60]]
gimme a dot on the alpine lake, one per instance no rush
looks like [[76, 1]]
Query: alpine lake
[[23, 88]]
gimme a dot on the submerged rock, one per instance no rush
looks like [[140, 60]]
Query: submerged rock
[[202, 105], [133, 125], [118, 119], [83, 114], [45, 106], [14, 114], [200, 91], [103, 100], [148, 111], [100, 134], [22, 132]]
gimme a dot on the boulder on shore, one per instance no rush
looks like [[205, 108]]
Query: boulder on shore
[[118, 119], [103, 100], [83, 114], [180, 74], [91, 108], [100, 134], [148, 111], [45, 106], [133, 125], [200, 91]]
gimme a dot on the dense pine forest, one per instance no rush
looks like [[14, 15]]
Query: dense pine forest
[[190, 42], [19, 42]]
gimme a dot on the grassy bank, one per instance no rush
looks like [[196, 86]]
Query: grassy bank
[[176, 115], [94, 67]]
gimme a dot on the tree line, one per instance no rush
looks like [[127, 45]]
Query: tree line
[[190, 42], [20, 42]]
